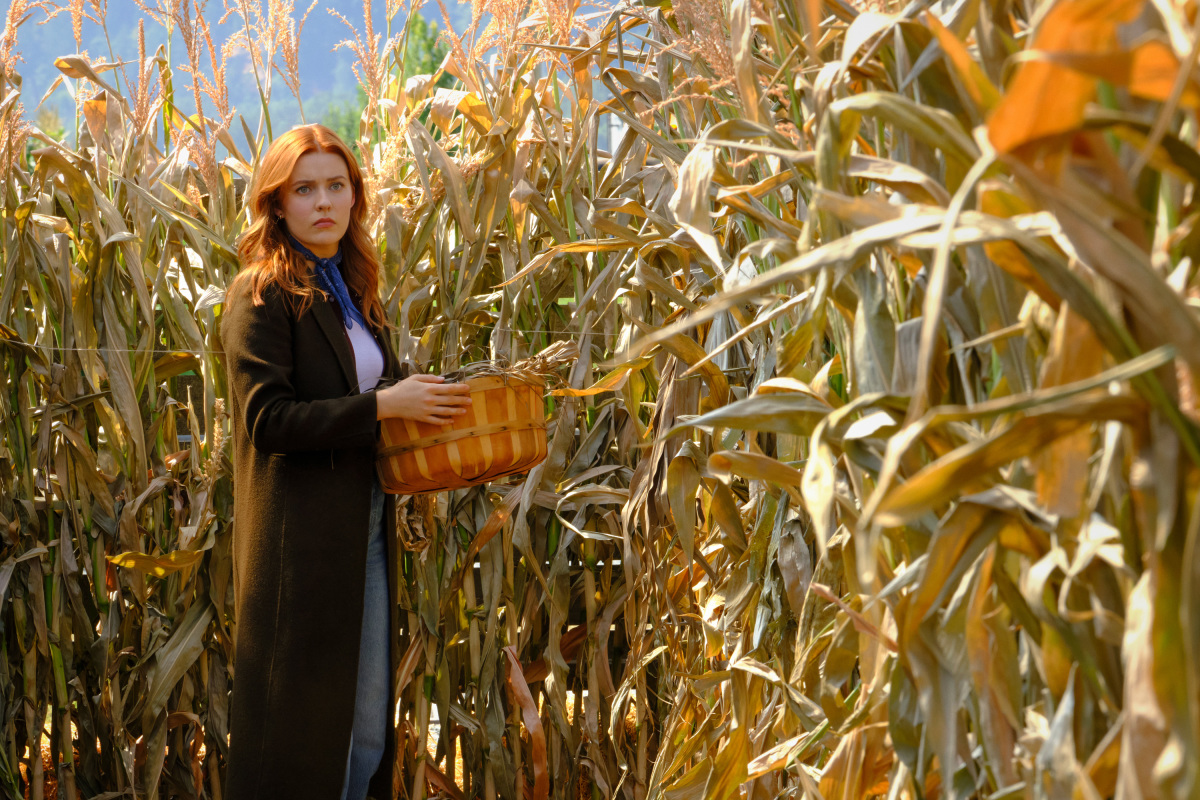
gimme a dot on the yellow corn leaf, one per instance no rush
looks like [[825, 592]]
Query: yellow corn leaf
[[609, 382], [690, 785], [445, 102], [476, 111], [95, 113], [77, 66], [1101, 767], [982, 91], [158, 566], [777, 757], [723, 511], [970, 467], [782, 413], [753, 466], [992, 659], [1144, 735], [1046, 98], [1153, 71], [729, 770], [691, 353], [683, 481], [997, 200], [859, 766], [544, 258], [172, 364], [1062, 468], [1148, 71], [742, 28]]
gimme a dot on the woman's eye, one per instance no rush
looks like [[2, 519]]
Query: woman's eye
[[301, 190], [336, 185]]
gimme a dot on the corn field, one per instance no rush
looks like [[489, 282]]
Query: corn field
[[876, 476]]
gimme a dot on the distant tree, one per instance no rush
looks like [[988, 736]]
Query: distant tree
[[50, 122], [342, 118], [423, 54]]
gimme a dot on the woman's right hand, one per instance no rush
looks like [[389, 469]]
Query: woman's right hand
[[424, 398]]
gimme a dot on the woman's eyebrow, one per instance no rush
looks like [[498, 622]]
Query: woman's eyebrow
[[306, 181]]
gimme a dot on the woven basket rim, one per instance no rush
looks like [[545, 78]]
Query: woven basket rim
[[483, 382]]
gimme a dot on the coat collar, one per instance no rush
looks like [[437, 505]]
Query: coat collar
[[335, 331]]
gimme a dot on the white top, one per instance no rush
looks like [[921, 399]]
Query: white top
[[368, 358]]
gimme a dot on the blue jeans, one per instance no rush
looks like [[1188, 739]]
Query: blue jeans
[[371, 706]]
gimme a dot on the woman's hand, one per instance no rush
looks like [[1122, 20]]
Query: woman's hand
[[424, 398]]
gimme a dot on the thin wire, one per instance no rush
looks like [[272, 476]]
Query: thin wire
[[56, 349], [495, 327], [178, 350]]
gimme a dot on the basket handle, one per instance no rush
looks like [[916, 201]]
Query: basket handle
[[453, 436]]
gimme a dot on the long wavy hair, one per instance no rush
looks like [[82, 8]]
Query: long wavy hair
[[268, 258]]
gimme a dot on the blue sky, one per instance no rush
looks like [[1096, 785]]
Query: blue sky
[[326, 76]]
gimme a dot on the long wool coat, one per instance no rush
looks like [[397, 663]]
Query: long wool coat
[[304, 442]]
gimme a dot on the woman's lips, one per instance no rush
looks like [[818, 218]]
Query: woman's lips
[[323, 223]]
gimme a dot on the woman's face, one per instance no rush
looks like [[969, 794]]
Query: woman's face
[[316, 201]]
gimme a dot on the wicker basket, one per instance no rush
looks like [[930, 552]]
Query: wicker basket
[[502, 433]]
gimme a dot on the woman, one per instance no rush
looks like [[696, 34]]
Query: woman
[[305, 344]]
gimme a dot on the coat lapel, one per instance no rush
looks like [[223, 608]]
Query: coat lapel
[[334, 330]]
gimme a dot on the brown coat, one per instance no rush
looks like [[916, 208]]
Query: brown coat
[[304, 457]]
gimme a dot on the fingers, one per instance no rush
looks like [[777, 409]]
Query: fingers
[[449, 412], [440, 386], [456, 388], [443, 409], [448, 389], [452, 400], [450, 395], [441, 418]]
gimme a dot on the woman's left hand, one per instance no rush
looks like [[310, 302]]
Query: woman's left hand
[[424, 398]]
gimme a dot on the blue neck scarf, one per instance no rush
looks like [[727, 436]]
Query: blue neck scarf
[[329, 278]]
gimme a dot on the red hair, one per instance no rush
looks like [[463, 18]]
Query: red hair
[[267, 257]]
